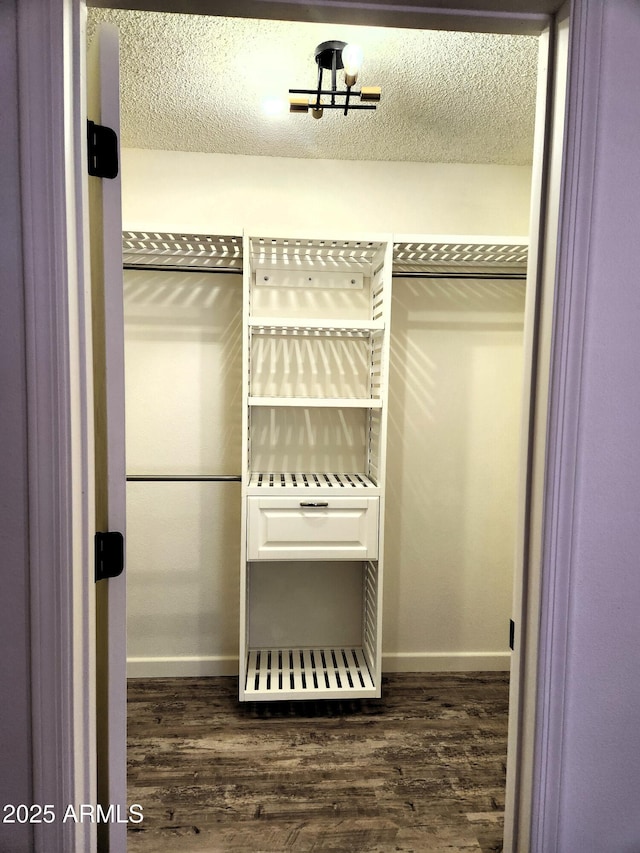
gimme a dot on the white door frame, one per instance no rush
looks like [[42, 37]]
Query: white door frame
[[107, 287], [60, 421]]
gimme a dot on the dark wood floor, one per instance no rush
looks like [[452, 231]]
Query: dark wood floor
[[422, 769]]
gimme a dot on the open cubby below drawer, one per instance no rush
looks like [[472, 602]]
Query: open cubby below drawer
[[312, 528]]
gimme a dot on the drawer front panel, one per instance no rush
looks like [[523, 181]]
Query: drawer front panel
[[319, 529]]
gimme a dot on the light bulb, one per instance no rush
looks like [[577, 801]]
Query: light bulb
[[352, 61], [273, 106]]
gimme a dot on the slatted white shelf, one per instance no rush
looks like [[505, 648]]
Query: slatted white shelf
[[294, 250], [313, 480], [410, 253], [321, 673], [281, 326], [318, 402], [459, 256], [197, 251]]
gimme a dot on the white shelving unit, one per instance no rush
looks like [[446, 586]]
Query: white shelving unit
[[316, 356], [316, 328]]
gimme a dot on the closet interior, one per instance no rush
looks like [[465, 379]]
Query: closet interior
[[281, 467]]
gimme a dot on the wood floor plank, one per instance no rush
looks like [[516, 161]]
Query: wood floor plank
[[421, 769]]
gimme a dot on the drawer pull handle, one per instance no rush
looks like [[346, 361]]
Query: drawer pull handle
[[314, 503]]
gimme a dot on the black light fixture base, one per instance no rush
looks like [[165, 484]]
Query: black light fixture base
[[326, 52]]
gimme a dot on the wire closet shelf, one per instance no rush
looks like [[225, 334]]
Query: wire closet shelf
[[411, 257]]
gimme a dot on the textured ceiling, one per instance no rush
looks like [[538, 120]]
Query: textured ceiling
[[195, 83]]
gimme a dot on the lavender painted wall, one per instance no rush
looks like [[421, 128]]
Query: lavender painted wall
[[15, 733], [599, 806]]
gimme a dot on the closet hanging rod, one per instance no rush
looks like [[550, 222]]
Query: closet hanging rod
[[184, 478], [484, 276], [182, 268]]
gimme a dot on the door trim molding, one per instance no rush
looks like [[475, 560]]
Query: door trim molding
[[537, 335], [565, 391], [51, 152]]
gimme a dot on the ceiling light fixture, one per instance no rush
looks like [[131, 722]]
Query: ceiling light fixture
[[334, 56]]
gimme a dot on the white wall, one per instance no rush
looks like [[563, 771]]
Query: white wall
[[454, 428], [455, 395], [183, 341], [224, 194]]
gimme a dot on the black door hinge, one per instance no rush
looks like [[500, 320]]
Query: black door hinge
[[512, 633], [102, 147], [109, 555]]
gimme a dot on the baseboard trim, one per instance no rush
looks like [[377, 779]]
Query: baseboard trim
[[190, 667], [181, 667], [446, 662]]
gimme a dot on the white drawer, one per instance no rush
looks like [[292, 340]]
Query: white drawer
[[312, 528]]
